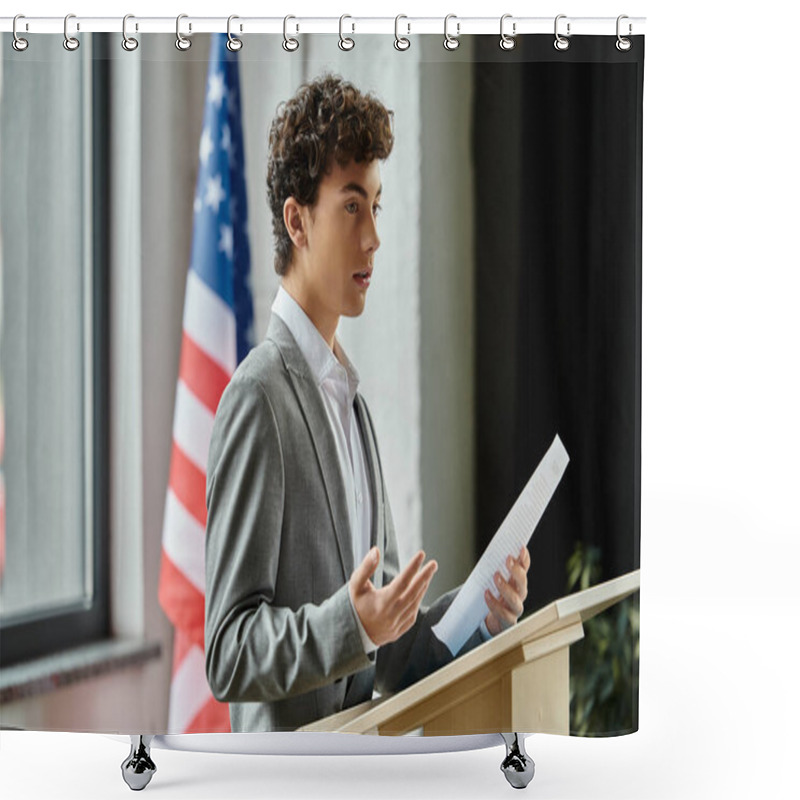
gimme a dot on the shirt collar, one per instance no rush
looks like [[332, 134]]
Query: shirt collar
[[324, 362]]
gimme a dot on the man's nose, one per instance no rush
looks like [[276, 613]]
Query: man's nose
[[371, 239]]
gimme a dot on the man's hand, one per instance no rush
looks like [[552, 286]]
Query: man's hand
[[387, 613], [506, 609]]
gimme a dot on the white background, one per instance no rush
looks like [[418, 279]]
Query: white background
[[720, 441]]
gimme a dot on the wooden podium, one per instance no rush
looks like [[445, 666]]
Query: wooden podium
[[517, 681]]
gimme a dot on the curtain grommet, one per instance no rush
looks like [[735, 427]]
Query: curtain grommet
[[561, 43], [18, 43], [71, 43], [289, 44], [345, 42], [182, 43], [128, 42], [400, 42], [451, 42], [507, 42], [234, 43], [623, 44]]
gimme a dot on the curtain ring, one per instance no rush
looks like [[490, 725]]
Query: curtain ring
[[451, 42], [345, 42], [507, 42], [400, 42], [289, 44], [234, 44], [70, 42], [561, 43], [128, 42], [181, 42], [623, 44], [19, 44]]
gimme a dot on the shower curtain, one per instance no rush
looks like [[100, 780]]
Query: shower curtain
[[270, 311]]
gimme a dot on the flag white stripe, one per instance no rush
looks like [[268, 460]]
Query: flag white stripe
[[210, 322], [189, 691], [192, 426], [184, 541]]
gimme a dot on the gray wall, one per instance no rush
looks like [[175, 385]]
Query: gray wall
[[447, 269]]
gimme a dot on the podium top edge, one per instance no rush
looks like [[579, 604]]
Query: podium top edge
[[603, 594]]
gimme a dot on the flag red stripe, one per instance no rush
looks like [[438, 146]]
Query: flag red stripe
[[182, 603], [212, 717], [2, 525], [205, 378], [188, 482]]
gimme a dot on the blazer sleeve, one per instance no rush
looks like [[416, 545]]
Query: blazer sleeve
[[256, 651]]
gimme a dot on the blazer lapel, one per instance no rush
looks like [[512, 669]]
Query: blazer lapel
[[311, 403], [371, 454]]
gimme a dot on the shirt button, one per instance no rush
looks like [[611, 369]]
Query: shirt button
[[358, 497]]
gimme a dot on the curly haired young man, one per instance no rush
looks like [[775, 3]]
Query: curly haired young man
[[307, 609]]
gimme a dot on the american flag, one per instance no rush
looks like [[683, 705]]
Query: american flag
[[217, 334]]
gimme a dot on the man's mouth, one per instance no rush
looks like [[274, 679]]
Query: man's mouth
[[363, 278]]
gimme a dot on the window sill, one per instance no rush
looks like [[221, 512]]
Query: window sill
[[71, 666]]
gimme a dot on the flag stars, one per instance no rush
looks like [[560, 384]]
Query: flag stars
[[206, 146], [227, 144], [226, 138], [215, 194], [216, 89], [226, 241]]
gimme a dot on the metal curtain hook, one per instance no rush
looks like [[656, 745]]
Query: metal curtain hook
[[181, 42], [400, 42], [289, 44], [561, 43], [507, 42], [234, 44], [622, 43], [70, 42], [19, 44], [128, 42], [345, 42], [451, 42]]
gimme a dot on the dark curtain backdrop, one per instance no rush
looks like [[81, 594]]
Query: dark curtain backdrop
[[558, 158]]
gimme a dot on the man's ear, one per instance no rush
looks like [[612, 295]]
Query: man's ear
[[294, 220]]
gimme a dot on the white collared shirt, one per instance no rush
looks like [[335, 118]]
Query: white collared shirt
[[338, 380]]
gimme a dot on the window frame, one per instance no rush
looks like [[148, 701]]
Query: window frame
[[37, 634]]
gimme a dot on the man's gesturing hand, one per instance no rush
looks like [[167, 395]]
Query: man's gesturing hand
[[387, 613]]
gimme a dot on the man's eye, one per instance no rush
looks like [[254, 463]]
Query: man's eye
[[351, 208], [377, 209]]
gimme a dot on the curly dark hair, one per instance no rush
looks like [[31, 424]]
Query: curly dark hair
[[327, 118]]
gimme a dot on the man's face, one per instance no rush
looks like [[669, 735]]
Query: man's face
[[334, 267]]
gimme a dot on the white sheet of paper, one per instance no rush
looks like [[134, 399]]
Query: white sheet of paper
[[469, 608]]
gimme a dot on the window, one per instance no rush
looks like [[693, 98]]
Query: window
[[53, 348]]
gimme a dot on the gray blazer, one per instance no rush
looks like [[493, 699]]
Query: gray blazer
[[281, 637]]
